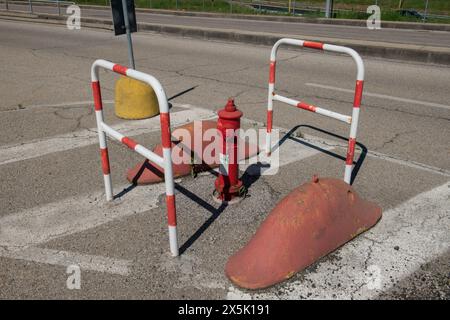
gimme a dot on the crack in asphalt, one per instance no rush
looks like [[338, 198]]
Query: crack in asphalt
[[75, 118], [366, 265], [34, 51], [210, 77], [392, 139]]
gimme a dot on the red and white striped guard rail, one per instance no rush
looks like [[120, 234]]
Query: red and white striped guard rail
[[352, 120], [104, 130]]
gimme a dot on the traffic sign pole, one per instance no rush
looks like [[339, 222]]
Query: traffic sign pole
[[127, 27], [329, 9]]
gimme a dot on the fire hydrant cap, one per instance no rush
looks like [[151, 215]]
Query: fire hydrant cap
[[230, 112]]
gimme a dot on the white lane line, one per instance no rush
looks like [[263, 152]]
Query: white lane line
[[382, 96], [20, 232], [57, 105], [82, 138], [283, 153], [370, 265], [71, 215], [390, 158], [86, 137], [78, 213], [409, 163], [67, 258], [327, 144]]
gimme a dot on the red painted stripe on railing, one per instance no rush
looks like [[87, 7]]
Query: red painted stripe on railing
[[272, 71], [358, 93], [350, 150], [130, 143], [269, 120], [306, 106], [120, 69], [97, 95], [105, 161], [313, 45], [165, 130], [171, 211]]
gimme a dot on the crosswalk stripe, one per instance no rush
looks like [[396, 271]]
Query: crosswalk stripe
[[382, 96], [86, 137], [285, 151], [328, 144], [81, 104], [75, 214], [21, 232], [67, 258]]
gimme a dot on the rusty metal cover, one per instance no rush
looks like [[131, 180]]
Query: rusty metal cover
[[309, 223], [147, 172]]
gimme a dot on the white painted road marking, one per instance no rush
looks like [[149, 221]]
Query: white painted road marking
[[382, 96], [86, 137], [72, 215], [320, 142], [57, 105], [20, 232], [82, 138], [327, 144], [287, 152], [67, 258], [426, 216]]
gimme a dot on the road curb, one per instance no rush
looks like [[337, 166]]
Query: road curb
[[341, 22], [423, 54]]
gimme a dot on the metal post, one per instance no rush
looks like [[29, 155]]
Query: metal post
[[127, 27], [293, 8], [426, 11], [7, 5], [59, 8], [329, 9], [231, 6], [176, 4], [31, 5]]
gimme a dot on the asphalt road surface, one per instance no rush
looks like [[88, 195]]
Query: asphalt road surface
[[53, 213], [417, 37]]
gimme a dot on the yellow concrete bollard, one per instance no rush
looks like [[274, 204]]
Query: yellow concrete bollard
[[134, 99]]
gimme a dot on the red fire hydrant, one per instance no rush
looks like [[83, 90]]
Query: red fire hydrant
[[228, 187]]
